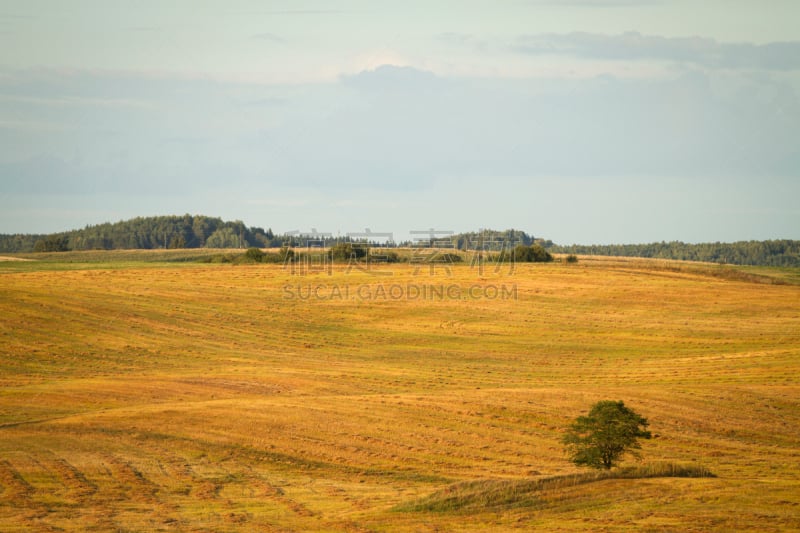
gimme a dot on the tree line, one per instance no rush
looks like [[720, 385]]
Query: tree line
[[486, 240], [198, 231], [186, 231], [763, 253]]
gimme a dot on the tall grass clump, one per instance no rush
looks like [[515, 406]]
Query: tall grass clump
[[499, 494]]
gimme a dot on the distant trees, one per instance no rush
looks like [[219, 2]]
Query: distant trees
[[200, 230], [52, 243], [286, 255], [766, 253], [185, 231], [254, 254], [223, 238], [345, 251], [19, 242], [487, 239], [534, 253], [602, 437], [194, 231]]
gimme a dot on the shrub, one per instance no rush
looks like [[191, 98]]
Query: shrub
[[345, 251], [534, 253], [254, 255], [446, 257], [286, 255], [384, 256], [539, 255]]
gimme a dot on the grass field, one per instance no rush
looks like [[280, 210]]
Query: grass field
[[143, 395]]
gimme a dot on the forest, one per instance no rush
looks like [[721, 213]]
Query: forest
[[784, 253], [198, 231], [182, 231]]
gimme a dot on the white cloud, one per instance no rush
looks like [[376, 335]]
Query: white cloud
[[404, 138], [74, 101], [598, 3], [374, 59], [633, 46], [270, 37]]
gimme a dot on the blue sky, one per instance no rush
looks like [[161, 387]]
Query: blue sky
[[581, 121]]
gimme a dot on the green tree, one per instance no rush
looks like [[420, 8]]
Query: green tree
[[539, 255], [223, 238], [602, 437], [52, 243], [345, 251], [286, 255], [178, 241], [522, 253]]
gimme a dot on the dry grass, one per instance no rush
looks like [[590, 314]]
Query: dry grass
[[198, 397], [500, 495]]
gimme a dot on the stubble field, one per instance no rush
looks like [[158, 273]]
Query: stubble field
[[141, 396]]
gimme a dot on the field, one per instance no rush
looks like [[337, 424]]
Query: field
[[141, 395]]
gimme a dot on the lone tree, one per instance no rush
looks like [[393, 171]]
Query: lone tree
[[602, 437]]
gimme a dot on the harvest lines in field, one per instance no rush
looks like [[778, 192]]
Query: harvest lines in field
[[180, 396]]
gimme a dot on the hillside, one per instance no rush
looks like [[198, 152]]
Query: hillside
[[147, 233], [197, 231], [185, 396]]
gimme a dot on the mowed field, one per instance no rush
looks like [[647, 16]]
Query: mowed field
[[140, 396]]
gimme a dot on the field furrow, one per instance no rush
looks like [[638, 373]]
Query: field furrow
[[214, 398]]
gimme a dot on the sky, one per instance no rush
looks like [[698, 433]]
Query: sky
[[579, 121]]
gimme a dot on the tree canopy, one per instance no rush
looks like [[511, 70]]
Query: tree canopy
[[534, 253], [194, 231], [177, 231], [766, 253], [601, 438]]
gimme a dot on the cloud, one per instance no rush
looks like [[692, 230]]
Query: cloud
[[464, 40], [31, 125], [391, 77], [73, 101], [634, 46], [144, 29], [390, 129], [18, 17], [305, 12], [597, 3], [270, 37], [264, 102]]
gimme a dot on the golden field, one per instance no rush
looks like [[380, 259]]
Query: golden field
[[148, 396]]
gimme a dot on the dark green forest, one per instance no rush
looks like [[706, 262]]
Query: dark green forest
[[486, 239], [198, 231], [185, 231], [762, 253]]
